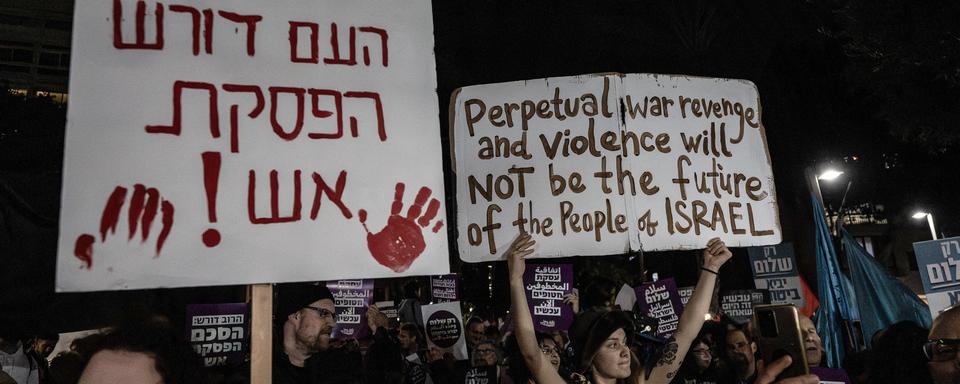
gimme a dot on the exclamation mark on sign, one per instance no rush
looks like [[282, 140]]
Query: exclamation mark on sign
[[211, 179]]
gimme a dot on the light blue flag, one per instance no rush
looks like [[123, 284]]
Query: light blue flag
[[882, 299], [835, 303]]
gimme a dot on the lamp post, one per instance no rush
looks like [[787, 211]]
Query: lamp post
[[920, 214], [828, 175]]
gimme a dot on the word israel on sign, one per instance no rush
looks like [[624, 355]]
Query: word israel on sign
[[602, 164], [236, 142], [351, 299], [218, 332], [546, 285], [775, 270], [444, 288], [939, 265], [660, 300], [443, 328], [738, 304]]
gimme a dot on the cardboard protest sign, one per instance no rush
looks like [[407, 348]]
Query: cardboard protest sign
[[545, 286], [236, 142], [444, 329], [351, 299], [775, 270], [939, 265], [738, 304], [660, 300], [445, 288], [684, 160], [218, 332]]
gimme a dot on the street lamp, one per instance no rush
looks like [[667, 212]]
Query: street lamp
[[830, 174], [920, 214]]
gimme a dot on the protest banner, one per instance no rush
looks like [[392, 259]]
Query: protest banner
[[738, 304], [685, 159], [939, 265], [545, 285], [775, 270], [241, 142], [445, 288], [444, 329], [660, 300], [351, 299], [219, 332]]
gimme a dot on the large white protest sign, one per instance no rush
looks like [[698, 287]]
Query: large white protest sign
[[232, 142], [603, 164]]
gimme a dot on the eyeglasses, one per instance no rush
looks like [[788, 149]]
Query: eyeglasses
[[320, 311], [549, 351], [941, 349]]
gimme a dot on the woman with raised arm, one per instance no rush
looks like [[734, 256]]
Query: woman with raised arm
[[601, 339]]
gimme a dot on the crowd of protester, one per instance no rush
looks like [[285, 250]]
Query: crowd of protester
[[605, 344]]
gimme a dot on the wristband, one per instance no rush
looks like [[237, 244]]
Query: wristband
[[709, 270]]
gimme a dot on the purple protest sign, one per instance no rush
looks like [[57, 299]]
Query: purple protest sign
[[660, 300], [546, 284], [351, 299], [218, 332], [444, 288]]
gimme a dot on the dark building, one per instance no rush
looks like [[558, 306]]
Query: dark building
[[35, 47]]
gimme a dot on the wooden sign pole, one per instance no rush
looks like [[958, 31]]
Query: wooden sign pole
[[261, 333]]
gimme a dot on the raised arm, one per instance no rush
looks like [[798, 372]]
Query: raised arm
[[543, 372], [691, 321]]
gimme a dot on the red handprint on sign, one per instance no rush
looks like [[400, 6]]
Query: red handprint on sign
[[400, 242], [144, 206]]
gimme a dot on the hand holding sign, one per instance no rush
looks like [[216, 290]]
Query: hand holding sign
[[375, 318], [520, 248], [400, 242], [573, 299], [144, 206], [715, 254], [767, 374]]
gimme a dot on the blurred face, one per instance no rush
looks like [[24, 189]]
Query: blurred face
[[550, 351], [110, 366], [945, 363], [612, 360], [811, 341], [407, 341], [44, 347], [739, 350], [475, 333], [313, 327], [701, 355], [485, 355]]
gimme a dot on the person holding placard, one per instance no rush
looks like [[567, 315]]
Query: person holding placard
[[601, 339]]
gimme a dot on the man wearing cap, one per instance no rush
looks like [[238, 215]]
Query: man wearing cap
[[309, 316]]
